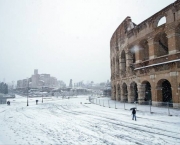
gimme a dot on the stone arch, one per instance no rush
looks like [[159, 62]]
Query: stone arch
[[133, 94], [164, 91], [124, 92], [118, 92], [177, 33], [161, 44], [158, 19], [144, 50], [161, 21], [148, 94], [123, 62]]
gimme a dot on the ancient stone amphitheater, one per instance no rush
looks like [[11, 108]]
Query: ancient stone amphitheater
[[145, 59]]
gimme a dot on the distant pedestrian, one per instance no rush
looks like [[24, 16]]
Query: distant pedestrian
[[134, 114], [8, 103], [36, 102]]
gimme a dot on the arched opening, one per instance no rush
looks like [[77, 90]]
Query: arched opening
[[123, 62], [114, 92], [134, 91], [161, 46], [117, 64], [161, 21], [144, 51], [164, 91], [119, 93], [148, 96], [124, 92]]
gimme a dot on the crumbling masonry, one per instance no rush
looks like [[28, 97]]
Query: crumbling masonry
[[145, 59]]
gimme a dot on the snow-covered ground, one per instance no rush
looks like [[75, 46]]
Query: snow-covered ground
[[75, 121]]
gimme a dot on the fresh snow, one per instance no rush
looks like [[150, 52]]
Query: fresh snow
[[75, 121]]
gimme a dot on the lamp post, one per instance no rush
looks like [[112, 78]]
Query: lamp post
[[27, 92], [42, 93]]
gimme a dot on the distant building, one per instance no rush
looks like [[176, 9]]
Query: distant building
[[38, 81], [70, 83]]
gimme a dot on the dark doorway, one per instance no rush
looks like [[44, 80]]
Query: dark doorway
[[166, 91]]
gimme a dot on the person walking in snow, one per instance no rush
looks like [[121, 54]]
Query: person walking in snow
[[134, 114]]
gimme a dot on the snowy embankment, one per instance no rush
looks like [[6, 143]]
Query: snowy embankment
[[75, 121]]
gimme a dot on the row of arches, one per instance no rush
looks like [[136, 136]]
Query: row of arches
[[142, 92], [142, 52]]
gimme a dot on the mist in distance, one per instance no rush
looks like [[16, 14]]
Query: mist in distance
[[69, 39]]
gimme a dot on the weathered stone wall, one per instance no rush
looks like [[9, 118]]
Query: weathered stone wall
[[147, 54]]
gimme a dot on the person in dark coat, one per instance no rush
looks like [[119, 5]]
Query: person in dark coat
[[134, 114], [36, 102]]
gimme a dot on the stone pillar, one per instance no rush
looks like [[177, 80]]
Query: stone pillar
[[174, 88], [177, 105], [152, 48], [130, 94], [173, 41], [141, 93], [117, 68], [129, 61], [123, 95], [112, 91], [116, 92], [157, 100], [153, 92]]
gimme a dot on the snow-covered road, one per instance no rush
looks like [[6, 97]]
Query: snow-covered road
[[69, 121]]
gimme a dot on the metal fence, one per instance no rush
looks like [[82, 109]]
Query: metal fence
[[146, 106]]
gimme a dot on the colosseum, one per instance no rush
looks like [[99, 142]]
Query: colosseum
[[145, 59]]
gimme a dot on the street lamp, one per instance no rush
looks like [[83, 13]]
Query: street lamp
[[27, 91]]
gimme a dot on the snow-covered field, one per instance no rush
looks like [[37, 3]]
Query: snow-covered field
[[75, 121]]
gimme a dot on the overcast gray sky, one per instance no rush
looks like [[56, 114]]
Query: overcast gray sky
[[68, 39]]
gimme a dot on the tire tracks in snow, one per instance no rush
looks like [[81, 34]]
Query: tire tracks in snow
[[141, 128]]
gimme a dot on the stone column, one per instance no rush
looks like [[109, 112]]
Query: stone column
[[116, 92], [141, 93], [123, 95], [112, 91], [129, 61], [152, 48], [130, 94], [173, 40], [174, 87]]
